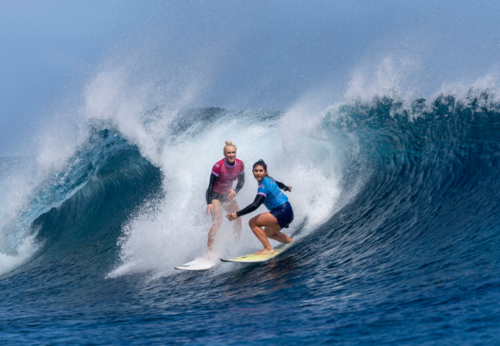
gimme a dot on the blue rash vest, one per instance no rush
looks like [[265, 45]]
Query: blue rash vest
[[270, 190]]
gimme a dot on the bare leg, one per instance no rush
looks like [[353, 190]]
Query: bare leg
[[278, 236], [272, 231], [217, 220], [232, 207]]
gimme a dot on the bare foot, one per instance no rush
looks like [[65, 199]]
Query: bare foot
[[265, 252]]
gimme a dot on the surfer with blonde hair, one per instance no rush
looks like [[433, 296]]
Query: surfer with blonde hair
[[220, 193]]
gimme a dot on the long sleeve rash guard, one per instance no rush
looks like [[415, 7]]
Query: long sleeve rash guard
[[213, 180]]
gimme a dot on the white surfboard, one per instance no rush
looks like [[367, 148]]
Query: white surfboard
[[252, 258], [199, 264]]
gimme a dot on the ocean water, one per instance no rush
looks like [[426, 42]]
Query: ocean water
[[396, 236]]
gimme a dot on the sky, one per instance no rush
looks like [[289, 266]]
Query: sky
[[236, 54]]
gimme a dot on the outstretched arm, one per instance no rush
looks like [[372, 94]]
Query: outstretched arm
[[259, 199], [283, 186]]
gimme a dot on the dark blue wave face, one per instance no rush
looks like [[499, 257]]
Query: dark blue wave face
[[412, 259]]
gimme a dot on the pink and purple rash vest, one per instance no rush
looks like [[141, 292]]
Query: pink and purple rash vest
[[226, 175]]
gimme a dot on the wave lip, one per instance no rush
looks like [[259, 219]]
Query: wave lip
[[66, 208]]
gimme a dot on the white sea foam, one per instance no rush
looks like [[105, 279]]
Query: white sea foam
[[175, 229], [23, 251]]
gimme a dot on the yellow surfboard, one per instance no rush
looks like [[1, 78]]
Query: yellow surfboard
[[252, 258]]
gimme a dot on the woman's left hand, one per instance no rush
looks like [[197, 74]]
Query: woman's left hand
[[231, 194], [231, 216]]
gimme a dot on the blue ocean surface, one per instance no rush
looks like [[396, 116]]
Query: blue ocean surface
[[396, 236]]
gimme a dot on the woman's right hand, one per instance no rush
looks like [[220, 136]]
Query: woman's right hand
[[209, 209]]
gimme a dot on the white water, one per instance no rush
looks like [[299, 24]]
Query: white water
[[174, 229]]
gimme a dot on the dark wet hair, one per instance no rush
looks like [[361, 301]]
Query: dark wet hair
[[261, 163]]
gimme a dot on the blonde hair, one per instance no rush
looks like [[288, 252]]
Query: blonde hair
[[229, 144]]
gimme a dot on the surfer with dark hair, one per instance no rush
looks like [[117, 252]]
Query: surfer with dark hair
[[220, 192], [279, 216]]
